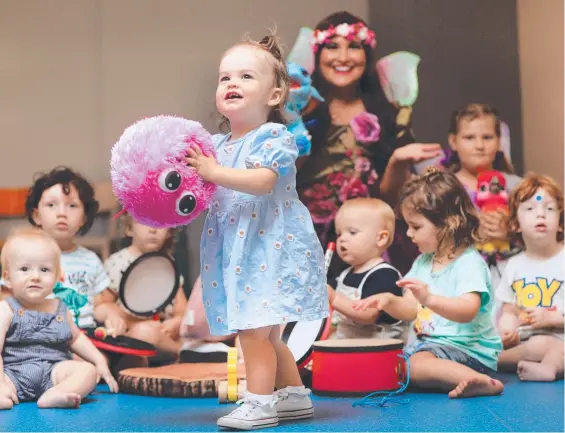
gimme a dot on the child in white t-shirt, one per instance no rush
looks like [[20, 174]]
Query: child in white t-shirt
[[62, 203], [531, 289]]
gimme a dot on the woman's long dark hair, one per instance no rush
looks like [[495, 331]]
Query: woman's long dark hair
[[318, 121]]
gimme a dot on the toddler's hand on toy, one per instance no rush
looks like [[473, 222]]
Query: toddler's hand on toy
[[417, 152], [419, 289], [204, 165], [493, 225], [539, 317], [115, 325], [104, 372], [378, 301]]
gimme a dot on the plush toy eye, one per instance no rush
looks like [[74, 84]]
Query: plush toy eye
[[186, 204], [304, 72], [169, 180], [483, 188]]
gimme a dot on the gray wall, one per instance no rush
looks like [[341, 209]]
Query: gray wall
[[469, 52]]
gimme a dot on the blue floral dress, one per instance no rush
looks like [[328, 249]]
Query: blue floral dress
[[262, 263]]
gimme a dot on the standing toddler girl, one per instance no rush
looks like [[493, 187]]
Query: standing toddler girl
[[262, 263]]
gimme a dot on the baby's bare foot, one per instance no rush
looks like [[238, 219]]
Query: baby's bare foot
[[476, 386], [535, 372], [61, 399]]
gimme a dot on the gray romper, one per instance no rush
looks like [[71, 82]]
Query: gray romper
[[34, 343]]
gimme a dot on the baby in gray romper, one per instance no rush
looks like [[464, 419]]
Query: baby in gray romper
[[38, 334]]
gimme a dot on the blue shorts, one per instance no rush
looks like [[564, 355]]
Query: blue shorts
[[449, 353]]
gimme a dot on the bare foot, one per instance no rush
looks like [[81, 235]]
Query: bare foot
[[535, 372], [480, 385], [57, 398]]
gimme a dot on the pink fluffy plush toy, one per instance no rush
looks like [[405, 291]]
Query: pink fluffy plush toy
[[150, 177]]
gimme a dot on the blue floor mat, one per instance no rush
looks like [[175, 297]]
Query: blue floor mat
[[522, 407]]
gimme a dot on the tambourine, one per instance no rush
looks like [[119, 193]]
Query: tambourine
[[149, 284]]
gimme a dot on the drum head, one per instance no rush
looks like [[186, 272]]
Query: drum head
[[149, 284], [300, 336]]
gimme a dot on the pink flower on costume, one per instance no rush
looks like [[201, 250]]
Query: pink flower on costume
[[320, 203], [362, 165], [353, 188], [318, 191], [366, 128], [323, 211], [336, 178]]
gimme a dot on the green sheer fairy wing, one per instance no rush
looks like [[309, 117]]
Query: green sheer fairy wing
[[398, 74]]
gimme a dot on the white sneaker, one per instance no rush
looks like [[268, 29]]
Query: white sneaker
[[294, 404], [250, 415]]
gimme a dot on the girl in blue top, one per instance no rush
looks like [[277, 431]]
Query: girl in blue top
[[447, 292], [262, 264]]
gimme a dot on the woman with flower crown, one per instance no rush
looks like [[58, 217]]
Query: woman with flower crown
[[362, 145]]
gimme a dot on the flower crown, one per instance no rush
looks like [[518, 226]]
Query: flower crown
[[348, 31]]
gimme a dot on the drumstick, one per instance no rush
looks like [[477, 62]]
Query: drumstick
[[329, 255]]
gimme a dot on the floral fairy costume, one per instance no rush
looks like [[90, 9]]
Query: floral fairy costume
[[342, 167], [262, 263]]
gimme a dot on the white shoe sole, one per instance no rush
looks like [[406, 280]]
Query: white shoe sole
[[244, 424], [288, 415]]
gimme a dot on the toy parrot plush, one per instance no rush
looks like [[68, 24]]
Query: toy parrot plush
[[492, 196]]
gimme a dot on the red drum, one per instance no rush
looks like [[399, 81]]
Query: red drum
[[356, 367]]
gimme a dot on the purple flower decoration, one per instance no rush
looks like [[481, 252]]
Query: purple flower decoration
[[366, 127]]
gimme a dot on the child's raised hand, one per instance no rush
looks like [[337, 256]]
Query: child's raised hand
[[204, 165], [103, 371], [419, 289], [417, 152]]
